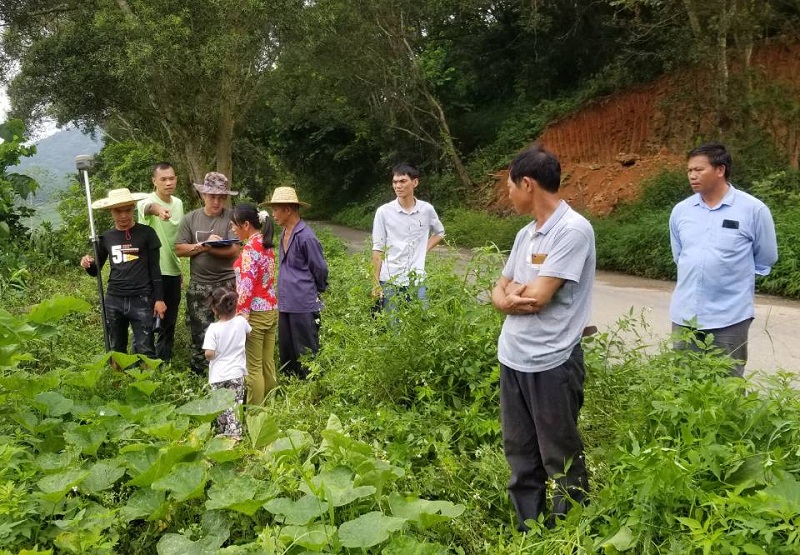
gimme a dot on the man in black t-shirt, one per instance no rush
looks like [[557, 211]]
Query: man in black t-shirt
[[135, 293]]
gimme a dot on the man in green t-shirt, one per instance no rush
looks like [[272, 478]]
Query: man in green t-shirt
[[163, 211]]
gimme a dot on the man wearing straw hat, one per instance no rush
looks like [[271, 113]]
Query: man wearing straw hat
[[205, 236], [135, 293], [302, 276]]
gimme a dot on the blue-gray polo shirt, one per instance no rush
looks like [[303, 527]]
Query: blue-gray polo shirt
[[562, 248]]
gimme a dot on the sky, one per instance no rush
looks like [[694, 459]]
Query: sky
[[46, 128]]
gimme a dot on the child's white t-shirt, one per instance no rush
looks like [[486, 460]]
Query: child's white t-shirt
[[227, 339]]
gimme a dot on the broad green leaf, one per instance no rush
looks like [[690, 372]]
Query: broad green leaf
[[243, 494], [171, 430], [751, 472], [123, 360], [146, 386], [222, 449], [51, 462], [300, 512], [56, 486], [102, 475], [369, 529], [147, 415], [377, 473], [55, 308], [88, 438], [178, 544], [783, 496], [405, 545], [622, 540], [185, 480], [314, 537], [143, 504], [139, 457], [87, 379], [217, 532], [293, 443], [261, 429], [168, 457], [423, 512], [207, 409], [337, 487], [53, 404], [335, 441]]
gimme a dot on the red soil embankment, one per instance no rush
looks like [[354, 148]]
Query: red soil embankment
[[611, 146]]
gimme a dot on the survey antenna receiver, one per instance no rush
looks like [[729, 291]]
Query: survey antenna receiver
[[84, 162]]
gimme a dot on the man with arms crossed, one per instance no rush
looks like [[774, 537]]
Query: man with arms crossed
[[210, 266], [163, 211], [721, 239], [545, 291], [403, 232]]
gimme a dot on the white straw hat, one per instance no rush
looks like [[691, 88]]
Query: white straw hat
[[118, 197], [286, 195]]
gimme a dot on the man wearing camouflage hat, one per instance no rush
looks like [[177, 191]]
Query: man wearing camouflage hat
[[205, 236]]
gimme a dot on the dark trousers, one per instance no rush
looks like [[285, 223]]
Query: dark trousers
[[136, 311], [539, 416], [298, 334], [731, 339], [165, 337]]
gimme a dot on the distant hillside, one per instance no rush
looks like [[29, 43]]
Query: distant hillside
[[53, 166]]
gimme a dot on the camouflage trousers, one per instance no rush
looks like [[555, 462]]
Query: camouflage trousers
[[228, 422], [199, 316]]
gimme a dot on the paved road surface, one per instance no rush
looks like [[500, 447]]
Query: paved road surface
[[774, 337]]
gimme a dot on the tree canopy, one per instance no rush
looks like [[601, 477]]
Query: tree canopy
[[331, 93]]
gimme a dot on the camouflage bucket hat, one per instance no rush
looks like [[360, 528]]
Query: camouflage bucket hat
[[214, 183]]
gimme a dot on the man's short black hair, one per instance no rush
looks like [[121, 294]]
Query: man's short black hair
[[163, 165], [404, 168], [540, 165], [717, 156]]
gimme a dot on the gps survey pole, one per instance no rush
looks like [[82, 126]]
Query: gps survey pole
[[83, 163]]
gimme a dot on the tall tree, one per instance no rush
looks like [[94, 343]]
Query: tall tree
[[179, 73]]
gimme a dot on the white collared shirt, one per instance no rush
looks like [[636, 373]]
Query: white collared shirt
[[403, 237]]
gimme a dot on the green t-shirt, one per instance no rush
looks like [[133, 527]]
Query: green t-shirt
[[167, 231]]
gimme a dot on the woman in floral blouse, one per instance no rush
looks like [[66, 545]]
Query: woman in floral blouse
[[255, 286]]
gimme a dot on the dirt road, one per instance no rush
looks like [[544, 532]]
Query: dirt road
[[774, 338]]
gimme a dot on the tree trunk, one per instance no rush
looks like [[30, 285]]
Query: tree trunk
[[224, 145], [195, 162], [723, 76], [694, 19], [449, 146]]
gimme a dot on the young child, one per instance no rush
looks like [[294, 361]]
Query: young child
[[224, 348]]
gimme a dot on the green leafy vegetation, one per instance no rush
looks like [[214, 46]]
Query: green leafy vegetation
[[392, 446]]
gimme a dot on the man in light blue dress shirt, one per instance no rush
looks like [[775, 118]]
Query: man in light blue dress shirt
[[721, 239]]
